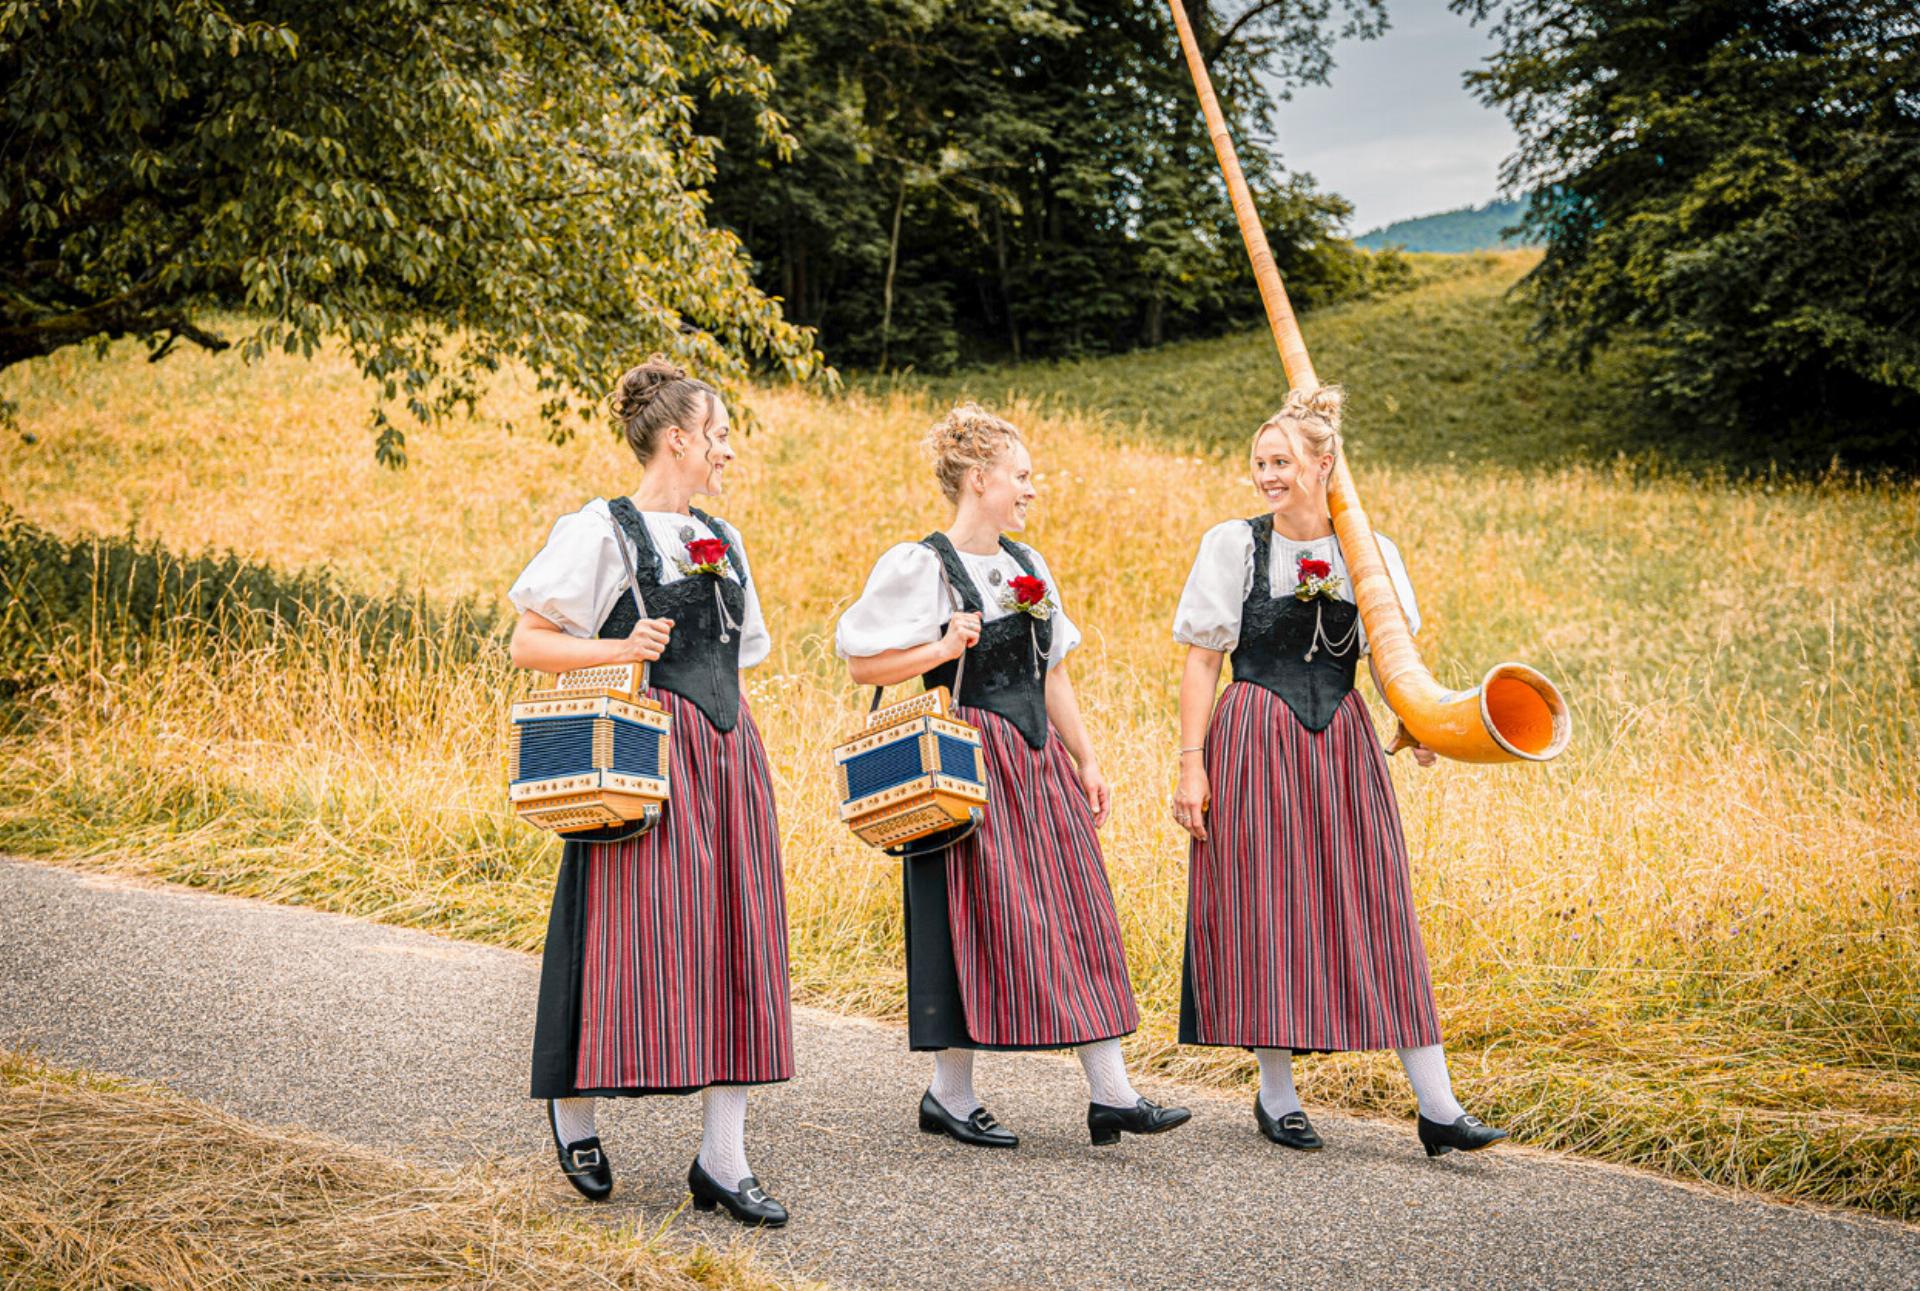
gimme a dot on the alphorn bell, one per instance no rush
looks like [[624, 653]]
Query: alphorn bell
[[1514, 714]]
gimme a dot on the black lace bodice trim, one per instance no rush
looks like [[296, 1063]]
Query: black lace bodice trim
[[1277, 636], [1006, 669]]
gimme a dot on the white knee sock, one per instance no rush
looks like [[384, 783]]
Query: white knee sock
[[1107, 1074], [1277, 1093], [952, 1086], [572, 1119], [1427, 1069], [723, 1135]]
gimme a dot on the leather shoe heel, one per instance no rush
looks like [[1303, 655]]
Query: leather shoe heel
[[1469, 1134], [750, 1203], [1104, 1123], [978, 1130], [1291, 1130]]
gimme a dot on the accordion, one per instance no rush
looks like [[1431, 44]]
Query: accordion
[[590, 753], [911, 772]]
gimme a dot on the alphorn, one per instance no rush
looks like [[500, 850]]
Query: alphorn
[[1515, 713]]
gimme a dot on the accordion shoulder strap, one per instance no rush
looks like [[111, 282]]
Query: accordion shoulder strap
[[955, 605], [617, 506]]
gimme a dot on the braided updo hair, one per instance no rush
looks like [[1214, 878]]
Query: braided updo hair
[[967, 437], [1312, 415], [653, 396]]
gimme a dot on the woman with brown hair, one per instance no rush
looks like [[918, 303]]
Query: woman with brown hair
[[1301, 935], [665, 969], [1012, 939]]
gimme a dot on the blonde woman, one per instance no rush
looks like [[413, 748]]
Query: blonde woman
[[1301, 935], [666, 962], [1012, 940]]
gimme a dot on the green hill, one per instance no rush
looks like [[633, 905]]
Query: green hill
[[1439, 374], [1471, 228]]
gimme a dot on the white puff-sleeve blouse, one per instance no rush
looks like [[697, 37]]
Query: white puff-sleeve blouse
[[1222, 576], [578, 575], [905, 602]]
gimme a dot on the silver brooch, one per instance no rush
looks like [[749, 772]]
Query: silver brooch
[[993, 576], [686, 533]]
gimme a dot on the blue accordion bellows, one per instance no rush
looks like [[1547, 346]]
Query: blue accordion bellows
[[912, 772], [590, 753]]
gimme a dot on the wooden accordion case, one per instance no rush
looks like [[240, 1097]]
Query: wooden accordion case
[[590, 752], [910, 772]]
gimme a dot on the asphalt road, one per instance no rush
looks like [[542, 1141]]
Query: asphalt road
[[417, 1045]]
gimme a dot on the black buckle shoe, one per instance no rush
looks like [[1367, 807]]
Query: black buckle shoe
[[584, 1163], [1290, 1130], [1469, 1134], [586, 1167], [751, 1205], [1104, 1123], [979, 1130]]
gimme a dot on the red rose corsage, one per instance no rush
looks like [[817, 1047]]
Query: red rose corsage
[[1027, 595], [705, 556], [1316, 580]]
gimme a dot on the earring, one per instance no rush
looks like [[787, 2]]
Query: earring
[[679, 453]]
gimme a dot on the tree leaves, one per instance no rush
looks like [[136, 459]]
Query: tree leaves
[[443, 188], [1732, 188]]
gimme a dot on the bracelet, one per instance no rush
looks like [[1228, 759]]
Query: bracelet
[[1198, 748]]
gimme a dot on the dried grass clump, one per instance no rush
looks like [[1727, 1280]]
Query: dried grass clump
[[106, 1183]]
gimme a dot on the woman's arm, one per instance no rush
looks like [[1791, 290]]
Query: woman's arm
[[1063, 711], [892, 666], [1197, 685], [540, 644]]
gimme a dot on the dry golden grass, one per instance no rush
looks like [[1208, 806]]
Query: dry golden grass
[[106, 1183], [1693, 943]]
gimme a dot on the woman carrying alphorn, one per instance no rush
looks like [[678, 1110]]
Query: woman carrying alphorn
[[666, 961], [1012, 940], [1301, 935]]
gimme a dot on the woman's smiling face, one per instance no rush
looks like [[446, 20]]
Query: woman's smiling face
[[1007, 490], [1285, 477], [715, 448]]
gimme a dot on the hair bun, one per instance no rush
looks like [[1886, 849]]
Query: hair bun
[[1323, 402], [640, 386], [968, 436]]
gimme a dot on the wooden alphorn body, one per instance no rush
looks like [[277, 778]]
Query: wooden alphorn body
[[1515, 713]]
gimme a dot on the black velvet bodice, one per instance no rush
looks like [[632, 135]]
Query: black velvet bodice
[[1277, 635], [1006, 669], [702, 660]]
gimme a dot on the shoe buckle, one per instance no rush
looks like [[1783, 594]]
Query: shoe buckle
[[585, 1158]]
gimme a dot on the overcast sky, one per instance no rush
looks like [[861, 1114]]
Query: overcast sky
[[1395, 133]]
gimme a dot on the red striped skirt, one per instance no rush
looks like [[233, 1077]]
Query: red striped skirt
[[666, 963], [1036, 942], [1301, 931]]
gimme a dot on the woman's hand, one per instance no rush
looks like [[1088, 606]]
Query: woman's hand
[[1191, 797], [963, 631], [1099, 792], [647, 641], [1403, 739]]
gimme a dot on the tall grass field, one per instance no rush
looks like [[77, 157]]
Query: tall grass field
[[1692, 943]]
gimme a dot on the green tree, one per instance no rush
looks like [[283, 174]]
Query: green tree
[[1733, 187], [440, 187], [1026, 178]]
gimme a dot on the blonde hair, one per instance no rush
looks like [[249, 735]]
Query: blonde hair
[[1313, 415], [967, 437]]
